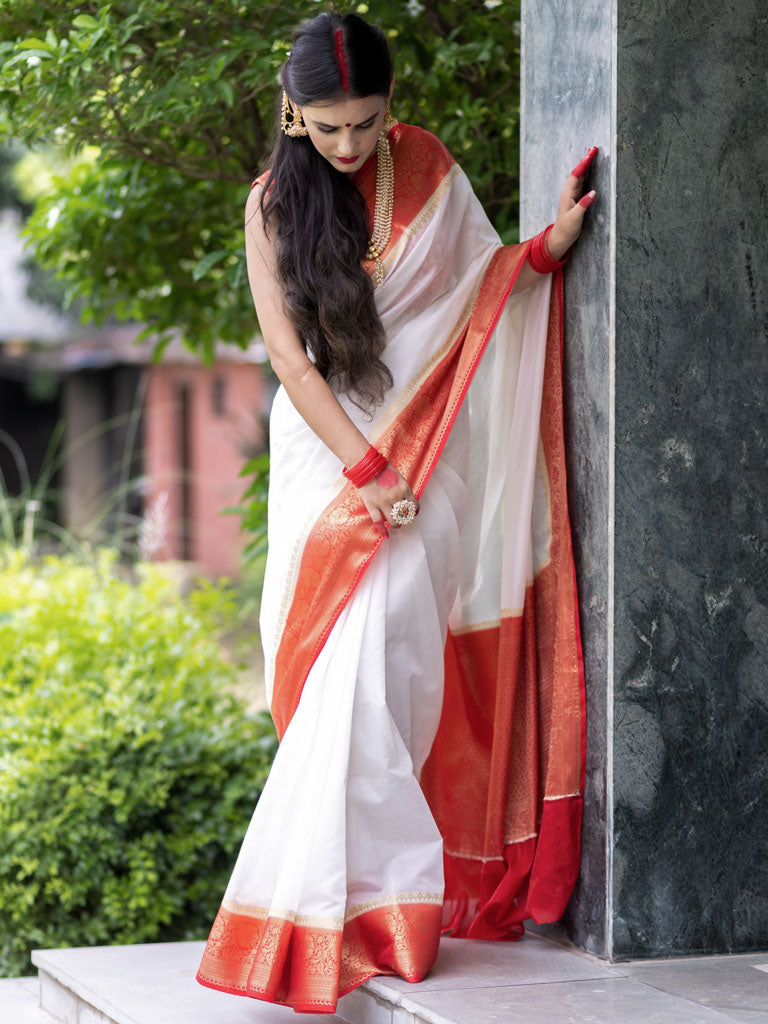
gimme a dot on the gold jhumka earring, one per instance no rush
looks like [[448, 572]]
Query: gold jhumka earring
[[294, 127], [385, 196]]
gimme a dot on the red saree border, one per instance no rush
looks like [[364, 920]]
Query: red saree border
[[421, 162], [560, 290], [515, 710], [343, 541], [309, 967], [561, 549], [531, 879]]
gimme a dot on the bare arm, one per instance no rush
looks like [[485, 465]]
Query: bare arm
[[310, 394]]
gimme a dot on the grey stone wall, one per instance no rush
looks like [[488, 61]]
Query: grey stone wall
[[566, 107], [667, 365]]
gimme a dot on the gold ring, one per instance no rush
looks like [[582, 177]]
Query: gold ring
[[403, 512]]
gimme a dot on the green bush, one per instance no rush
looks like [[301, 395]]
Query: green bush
[[128, 770]]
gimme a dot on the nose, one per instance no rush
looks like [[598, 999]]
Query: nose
[[346, 144]]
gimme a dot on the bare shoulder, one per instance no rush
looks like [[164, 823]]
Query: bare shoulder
[[259, 243], [253, 203]]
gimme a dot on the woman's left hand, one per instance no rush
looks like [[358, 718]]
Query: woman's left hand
[[571, 210]]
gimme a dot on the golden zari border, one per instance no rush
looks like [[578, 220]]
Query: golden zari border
[[309, 968], [506, 613], [412, 232], [399, 899], [262, 913], [291, 578], [326, 921]]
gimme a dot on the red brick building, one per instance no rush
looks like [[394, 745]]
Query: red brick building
[[200, 426], [163, 444]]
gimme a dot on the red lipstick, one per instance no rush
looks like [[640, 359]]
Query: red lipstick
[[347, 159]]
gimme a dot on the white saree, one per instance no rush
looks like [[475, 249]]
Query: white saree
[[342, 871]]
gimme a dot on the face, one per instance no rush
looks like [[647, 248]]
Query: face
[[346, 132]]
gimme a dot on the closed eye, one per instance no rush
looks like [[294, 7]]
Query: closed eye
[[328, 130]]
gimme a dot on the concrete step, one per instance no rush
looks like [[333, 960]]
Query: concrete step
[[20, 1002], [152, 983], [534, 981]]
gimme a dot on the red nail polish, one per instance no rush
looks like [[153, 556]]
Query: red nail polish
[[581, 167]]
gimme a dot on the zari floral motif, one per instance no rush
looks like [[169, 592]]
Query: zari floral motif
[[308, 967]]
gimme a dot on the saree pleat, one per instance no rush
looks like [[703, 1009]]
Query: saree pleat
[[427, 689]]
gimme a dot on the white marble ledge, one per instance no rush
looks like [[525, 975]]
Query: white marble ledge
[[534, 981], [474, 964], [614, 1000], [152, 983]]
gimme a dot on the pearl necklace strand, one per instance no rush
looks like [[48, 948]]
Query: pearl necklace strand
[[385, 199]]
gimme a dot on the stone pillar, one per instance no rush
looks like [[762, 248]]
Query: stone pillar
[[84, 474], [667, 425]]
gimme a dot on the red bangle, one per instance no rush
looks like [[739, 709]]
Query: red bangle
[[539, 256], [371, 464]]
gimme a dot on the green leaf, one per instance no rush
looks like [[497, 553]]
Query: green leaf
[[35, 44], [85, 21], [24, 57], [207, 262], [227, 91], [160, 347]]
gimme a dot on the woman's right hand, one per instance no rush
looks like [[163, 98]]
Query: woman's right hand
[[381, 493]]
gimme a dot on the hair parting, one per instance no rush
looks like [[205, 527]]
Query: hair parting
[[341, 58], [318, 217]]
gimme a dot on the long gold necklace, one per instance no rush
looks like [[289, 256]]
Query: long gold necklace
[[385, 198]]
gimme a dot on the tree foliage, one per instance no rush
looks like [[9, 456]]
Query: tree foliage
[[180, 98]]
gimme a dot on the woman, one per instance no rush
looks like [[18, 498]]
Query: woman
[[417, 521]]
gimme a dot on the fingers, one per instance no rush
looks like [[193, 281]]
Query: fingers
[[402, 494], [395, 488], [587, 200], [581, 168], [380, 524]]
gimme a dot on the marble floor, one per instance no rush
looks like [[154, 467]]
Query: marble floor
[[535, 981], [541, 981], [20, 1002]]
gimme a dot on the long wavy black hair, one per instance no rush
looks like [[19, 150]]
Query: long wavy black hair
[[318, 216]]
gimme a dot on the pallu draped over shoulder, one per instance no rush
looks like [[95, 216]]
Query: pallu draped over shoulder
[[427, 688]]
